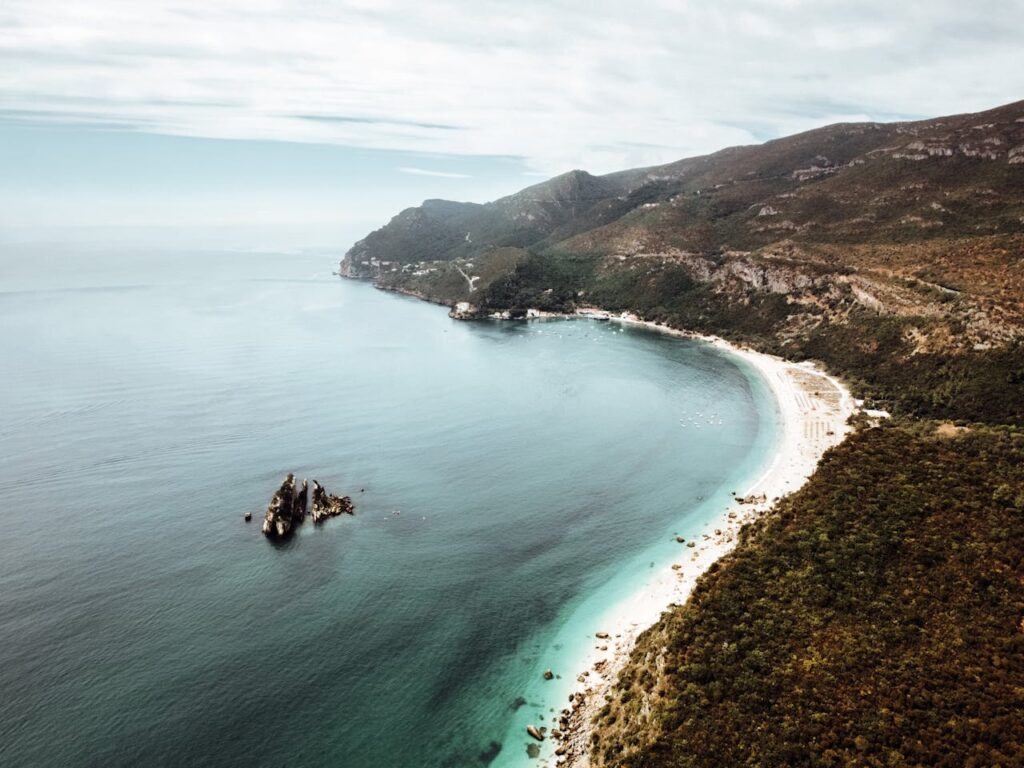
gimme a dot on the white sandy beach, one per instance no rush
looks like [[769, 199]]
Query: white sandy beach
[[814, 409]]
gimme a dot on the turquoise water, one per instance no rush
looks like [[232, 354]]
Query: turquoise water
[[518, 479]]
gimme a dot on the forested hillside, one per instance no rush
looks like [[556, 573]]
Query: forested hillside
[[894, 253], [875, 618]]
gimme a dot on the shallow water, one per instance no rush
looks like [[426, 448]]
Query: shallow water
[[518, 478]]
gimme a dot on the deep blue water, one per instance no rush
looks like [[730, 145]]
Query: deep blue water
[[517, 478]]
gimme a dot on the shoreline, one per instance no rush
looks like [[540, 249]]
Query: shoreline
[[813, 409]]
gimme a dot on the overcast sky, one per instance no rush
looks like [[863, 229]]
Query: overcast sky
[[309, 110]]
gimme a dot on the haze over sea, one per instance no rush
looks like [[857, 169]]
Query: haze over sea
[[519, 478]]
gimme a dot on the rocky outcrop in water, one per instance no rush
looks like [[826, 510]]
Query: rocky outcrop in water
[[287, 509], [327, 505]]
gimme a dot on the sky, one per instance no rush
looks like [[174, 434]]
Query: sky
[[319, 119]]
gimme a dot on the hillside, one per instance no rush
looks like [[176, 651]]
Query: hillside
[[848, 183], [892, 252]]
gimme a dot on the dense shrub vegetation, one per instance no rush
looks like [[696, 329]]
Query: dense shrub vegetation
[[977, 386], [874, 619]]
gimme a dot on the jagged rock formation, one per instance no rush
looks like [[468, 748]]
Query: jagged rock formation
[[327, 505], [287, 509]]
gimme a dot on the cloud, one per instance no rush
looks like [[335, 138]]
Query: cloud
[[374, 121], [600, 85], [439, 174]]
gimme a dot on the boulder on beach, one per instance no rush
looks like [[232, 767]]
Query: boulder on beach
[[752, 499]]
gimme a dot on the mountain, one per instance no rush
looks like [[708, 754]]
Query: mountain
[[444, 230], [846, 183]]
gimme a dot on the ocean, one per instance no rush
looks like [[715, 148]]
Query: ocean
[[512, 480]]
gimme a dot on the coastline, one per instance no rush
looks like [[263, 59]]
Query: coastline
[[813, 412]]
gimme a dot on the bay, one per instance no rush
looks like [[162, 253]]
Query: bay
[[511, 480]]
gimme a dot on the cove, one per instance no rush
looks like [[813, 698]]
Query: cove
[[519, 479]]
